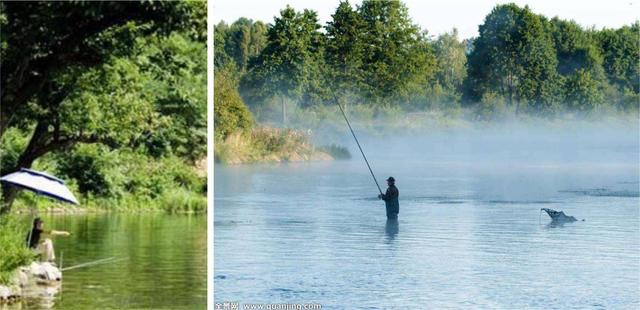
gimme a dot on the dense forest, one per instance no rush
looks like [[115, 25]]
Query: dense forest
[[374, 59], [110, 97]]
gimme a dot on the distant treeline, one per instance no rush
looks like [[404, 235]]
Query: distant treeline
[[373, 54]]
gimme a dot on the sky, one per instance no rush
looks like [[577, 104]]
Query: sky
[[440, 16]]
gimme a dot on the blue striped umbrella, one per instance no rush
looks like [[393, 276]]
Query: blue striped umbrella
[[40, 183]]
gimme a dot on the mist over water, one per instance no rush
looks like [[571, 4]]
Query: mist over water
[[470, 232]]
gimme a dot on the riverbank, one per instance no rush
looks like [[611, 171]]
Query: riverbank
[[38, 279], [172, 201], [273, 145], [13, 252]]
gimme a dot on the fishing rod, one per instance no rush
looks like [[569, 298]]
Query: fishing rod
[[96, 262], [358, 143]]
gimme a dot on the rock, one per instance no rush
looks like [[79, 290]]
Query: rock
[[40, 279], [44, 271], [5, 293], [20, 277]]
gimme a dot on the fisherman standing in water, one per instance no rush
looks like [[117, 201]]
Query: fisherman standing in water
[[391, 199]]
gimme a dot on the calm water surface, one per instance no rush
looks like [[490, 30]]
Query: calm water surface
[[160, 262], [470, 232]]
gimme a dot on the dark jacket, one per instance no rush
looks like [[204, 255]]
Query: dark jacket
[[33, 237], [391, 201]]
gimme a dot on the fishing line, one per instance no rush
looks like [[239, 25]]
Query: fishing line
[[96, 262], [540, 217], [358, 143]]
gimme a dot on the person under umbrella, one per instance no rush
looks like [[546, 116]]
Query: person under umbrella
[[39, 240]]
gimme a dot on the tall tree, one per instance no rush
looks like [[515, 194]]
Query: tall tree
[[290, 63], [621, 53], [246, 39], [42, 40], [394, 53], [220, 36], [451, 60], [66, 77], [514, 56], [580, 64], [345, 50]]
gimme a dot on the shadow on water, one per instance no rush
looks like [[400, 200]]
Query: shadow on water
[[391, 229]]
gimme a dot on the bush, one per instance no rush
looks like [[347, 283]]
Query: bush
[[88, 166], [13, 250], [179, 200], [231, 114], [337, 151]]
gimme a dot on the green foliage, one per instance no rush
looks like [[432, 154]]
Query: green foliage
[[44, 41], [266, 145], [11, 145], [337, 151], [451, 70], [13, 250], [515, 57], [397, 53], [178, 67], [239, 42], [127, 76], [621, 53], [290, 63], [583, 92], [382, 68], [88, 166], [231, 114], [344, 49], [183, 201]]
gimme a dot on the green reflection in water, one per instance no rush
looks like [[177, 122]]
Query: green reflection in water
[[163, 262]]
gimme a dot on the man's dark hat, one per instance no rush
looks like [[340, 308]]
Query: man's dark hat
[[391, 179]]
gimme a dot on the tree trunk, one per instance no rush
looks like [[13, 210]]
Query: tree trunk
[[284, 113], [29, 155]]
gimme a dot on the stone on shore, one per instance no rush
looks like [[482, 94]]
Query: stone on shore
[[40, 279]]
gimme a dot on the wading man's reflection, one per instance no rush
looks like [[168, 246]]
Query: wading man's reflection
[[391, 228]]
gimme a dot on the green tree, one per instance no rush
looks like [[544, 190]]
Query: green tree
[[245, 40], [68, 78], [514, 56], [395, 52], [345, 50], [290, 63], [178, 66], [583, 92], [87, 165], [451, 58], [621, 53], [42, 40], [220, 57], [231, 114], [580, 63]]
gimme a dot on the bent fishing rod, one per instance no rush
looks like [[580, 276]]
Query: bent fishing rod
[[357, 142]]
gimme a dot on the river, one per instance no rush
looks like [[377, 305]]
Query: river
[[470, 232], [156, 261]]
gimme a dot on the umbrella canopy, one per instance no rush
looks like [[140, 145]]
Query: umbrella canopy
[[40, 183]]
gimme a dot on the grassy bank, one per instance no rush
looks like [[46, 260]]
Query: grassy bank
[[176, 200], [268, 145], [13, 252]]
